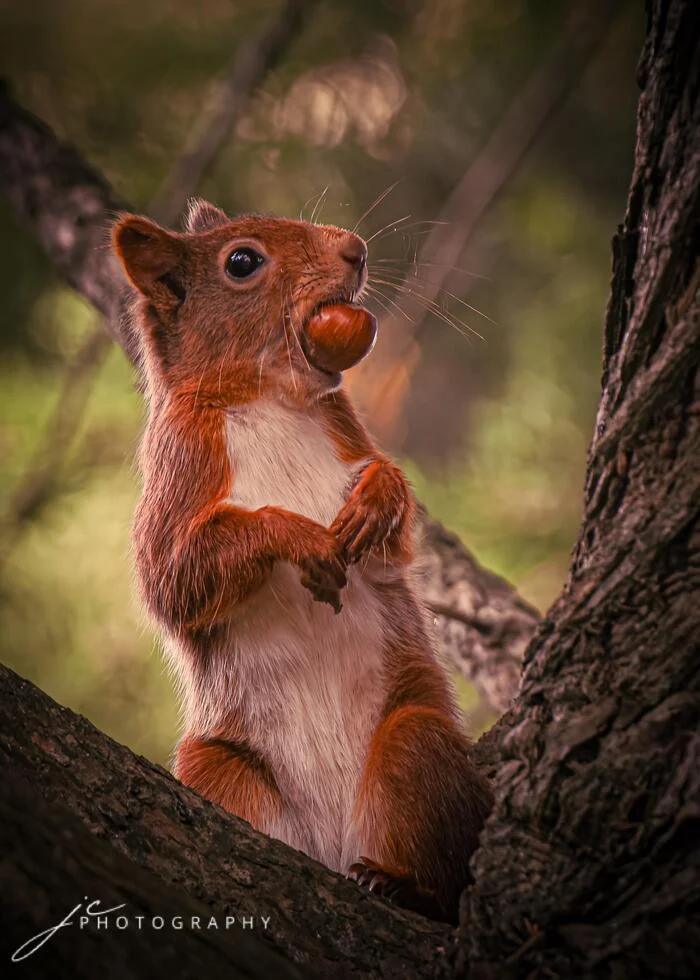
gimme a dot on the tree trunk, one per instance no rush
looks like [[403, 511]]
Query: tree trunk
[[590, 863]]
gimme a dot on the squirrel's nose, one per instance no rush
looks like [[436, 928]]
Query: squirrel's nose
[[354, 251]]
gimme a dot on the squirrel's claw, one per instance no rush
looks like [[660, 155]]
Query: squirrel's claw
[[324, 580], [359, 528], [401, 889], [376, 509]]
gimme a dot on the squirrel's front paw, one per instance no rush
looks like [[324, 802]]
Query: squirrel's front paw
[[311, 547], [324, 578], [376, 510], [322, 567]]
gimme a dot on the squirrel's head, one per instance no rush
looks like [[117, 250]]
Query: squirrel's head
[[230, 298]]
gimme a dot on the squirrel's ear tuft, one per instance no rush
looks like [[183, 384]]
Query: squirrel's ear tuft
[[203, 216], [152, 259]]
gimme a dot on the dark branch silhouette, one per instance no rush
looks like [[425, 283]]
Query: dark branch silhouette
[[41, 483]]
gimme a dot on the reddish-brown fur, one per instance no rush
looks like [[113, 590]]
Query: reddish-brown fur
[[229, 774], [212, 348]]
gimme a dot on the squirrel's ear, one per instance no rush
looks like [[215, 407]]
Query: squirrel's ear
[[203, 216], [152, 259]]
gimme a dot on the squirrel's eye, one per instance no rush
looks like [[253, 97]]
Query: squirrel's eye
[[243, 262]]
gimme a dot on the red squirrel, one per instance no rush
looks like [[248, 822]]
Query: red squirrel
[[273, 544]]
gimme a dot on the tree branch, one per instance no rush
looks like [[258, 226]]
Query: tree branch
[[318, 918], [52, 862], [252, 62], [484, 626], [67, 206]]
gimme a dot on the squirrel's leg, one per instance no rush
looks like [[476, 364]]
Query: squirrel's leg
[[419, 810], [231, 774]]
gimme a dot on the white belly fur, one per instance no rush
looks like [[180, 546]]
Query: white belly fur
[[284, 458], [306, 683]]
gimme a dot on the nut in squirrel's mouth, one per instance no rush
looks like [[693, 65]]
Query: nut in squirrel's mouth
[[344, 297], [337, 335]]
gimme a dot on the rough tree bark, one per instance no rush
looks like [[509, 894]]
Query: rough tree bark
[[319, 921], [590, 863], [49, 856], [483, 624]]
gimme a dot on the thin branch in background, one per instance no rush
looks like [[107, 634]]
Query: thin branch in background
[[251, 64], [475, 193], [40, 483], [254, 59], [451, 612], [533, 108]]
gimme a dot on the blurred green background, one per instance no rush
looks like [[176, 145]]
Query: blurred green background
[[493, 432]]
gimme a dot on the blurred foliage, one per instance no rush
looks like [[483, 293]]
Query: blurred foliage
[[372, 92]]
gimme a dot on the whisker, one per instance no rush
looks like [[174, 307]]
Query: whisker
[[434, 308], [224, 359], [260, 373], [401, 282], [413, 224], [314, 197], [377, 201], [402, 275], [295, 332], [407, 236], [387, 299], [437, 265], [196, 394], [427, 303], [289, 354], [290, 312], [319, 203], [375, 297], [399, 309], [468, 306], [304, 205], [394, 223]]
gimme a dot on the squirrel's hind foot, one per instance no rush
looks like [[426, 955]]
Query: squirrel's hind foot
[[400, 889]]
